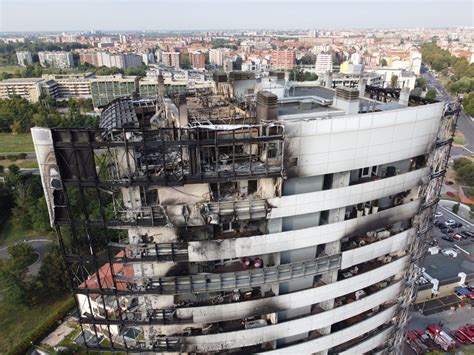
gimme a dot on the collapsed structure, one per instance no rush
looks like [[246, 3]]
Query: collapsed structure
[[238, 221]]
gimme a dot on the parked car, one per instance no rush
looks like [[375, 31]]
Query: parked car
[[458, 237], [438, 214], [436, 223], [457, 225], [446, 230], [448, 238], [467, 234], [450, 222], [449, 252]]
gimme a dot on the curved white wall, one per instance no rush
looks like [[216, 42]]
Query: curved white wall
[[238, 310], [370, 343], [345, 196], [337, 338], [295, 239], [247, 337], [393, 244], [358, 141]]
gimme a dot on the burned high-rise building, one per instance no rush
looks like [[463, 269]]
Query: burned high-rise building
[[246, 223]]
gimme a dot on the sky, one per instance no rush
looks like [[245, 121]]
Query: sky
[[81, 15]]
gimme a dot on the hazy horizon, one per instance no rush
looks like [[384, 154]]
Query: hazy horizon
[[187, 15]]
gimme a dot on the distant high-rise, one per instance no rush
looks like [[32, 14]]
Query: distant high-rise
[[24, 58], [323, 63], [62, 60], [198, 60], [172, 59], [217, 56], [283, 59]]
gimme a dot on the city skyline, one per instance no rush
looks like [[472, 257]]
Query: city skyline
[[31, 15]]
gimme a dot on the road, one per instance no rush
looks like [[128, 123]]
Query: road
[[465, 124], [39, 244]]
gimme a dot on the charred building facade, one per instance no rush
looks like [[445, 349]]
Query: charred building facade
[[210, 224]]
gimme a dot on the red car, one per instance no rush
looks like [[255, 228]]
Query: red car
[[460, 337]]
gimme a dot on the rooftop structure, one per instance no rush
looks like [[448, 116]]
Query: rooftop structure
[[240, 222]]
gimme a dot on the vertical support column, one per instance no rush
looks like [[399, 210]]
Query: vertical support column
[[335, 215]]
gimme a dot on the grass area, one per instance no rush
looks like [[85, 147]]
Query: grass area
[[16, 143], [17, 324], [21, 163], [12, 233], [459, 139], [10, 69]]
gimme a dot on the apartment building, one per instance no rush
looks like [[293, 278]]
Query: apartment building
[[198, 60], [292, 226], [283, 59], [120, 60], [24, 58], [72, 85], [62, 60], [105, 89], [323, 63], [217, 56], [30, 89], [172, 59]]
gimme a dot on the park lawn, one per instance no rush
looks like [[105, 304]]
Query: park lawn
[[21, 163], [10, 69], [16, 325], [11, 233], [16, 143]]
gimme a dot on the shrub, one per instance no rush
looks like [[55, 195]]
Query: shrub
[[456, 208], [22, 156]]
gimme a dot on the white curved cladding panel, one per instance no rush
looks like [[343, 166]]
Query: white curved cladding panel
[[296, 239], [357, 141], [395, 243], [344, 196], [369, 344], [237, 339], [238, 310], [340, 337]]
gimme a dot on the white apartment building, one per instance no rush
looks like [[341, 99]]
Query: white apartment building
[[119, 60], [217, 56], [24, 58], [72, 85], [323, 63], [29, 88], [58, 59]]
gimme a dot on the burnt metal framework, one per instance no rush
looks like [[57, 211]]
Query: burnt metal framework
[[103, 162], [389, 94], [91, 168]]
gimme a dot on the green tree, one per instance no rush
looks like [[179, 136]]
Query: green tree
[[185, 61], [468, 104], [464, 171], [39, 216], [394, 81], [421, 83], [23, 253], [383, 62], [431, 94], [53, 275], [17, 290], [455, 208]]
